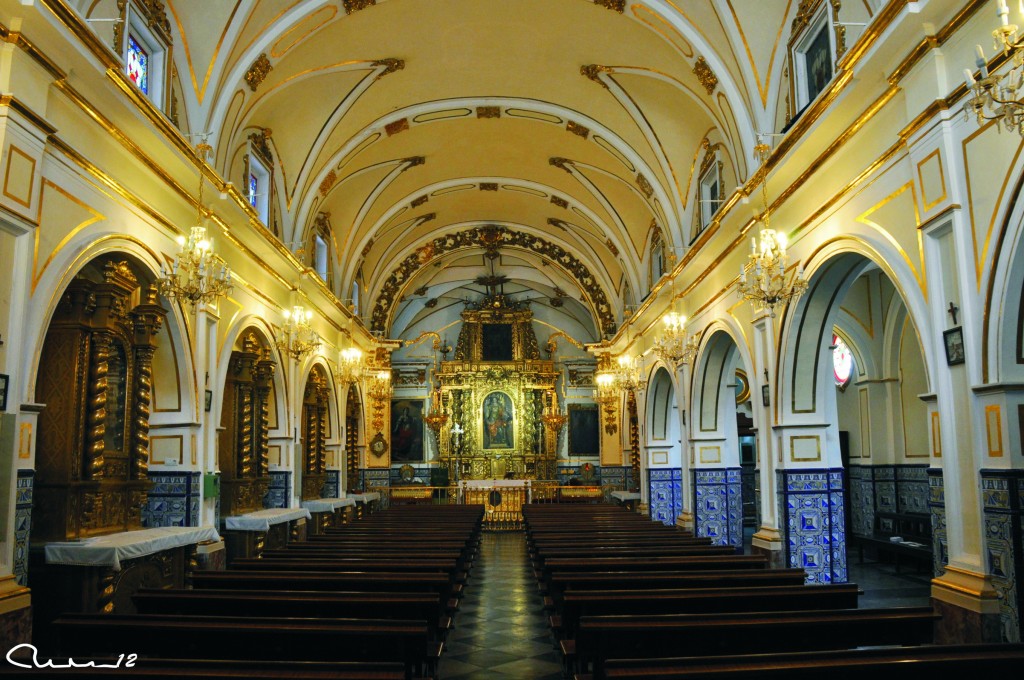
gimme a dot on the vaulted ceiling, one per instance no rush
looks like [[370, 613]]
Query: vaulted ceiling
[[580, 124]]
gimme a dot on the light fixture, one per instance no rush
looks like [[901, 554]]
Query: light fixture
[[350, 368], [995, 97], [297, 337], [607, 395], [553, 417], [379, 389], [197, 275], [763, 279], [436, 418], [672, 346]]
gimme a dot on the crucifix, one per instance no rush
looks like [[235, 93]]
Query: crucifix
[[953, 309]]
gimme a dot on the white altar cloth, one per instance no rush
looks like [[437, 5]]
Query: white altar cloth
[[490, 483], [109, 550], [262, 520], [624, 496], [365, 497], [327, 504]]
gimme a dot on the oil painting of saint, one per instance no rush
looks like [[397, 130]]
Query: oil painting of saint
[[497, 421]]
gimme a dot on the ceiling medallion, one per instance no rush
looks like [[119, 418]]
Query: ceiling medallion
[[644, 185], [257, 73], [705, 75], [328, 182], [417, 202]]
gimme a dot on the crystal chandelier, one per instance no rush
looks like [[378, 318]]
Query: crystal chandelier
[[197, 275], [672, 346], [297, 337], [995, 97], [350, 368], [627, 374], [608, 396], [763, 276]]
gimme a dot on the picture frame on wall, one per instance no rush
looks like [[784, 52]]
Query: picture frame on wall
[[953, 340], [814, 47], [209, 401], [5, 381], [765, 399]]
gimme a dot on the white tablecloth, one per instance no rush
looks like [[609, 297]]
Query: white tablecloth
[[327, 504], [625, 496], [365, 497], [108, 551], [261, 520], [489, 483]]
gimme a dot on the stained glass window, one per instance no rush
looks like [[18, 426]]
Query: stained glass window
[[842, 361], [254, 184], [137, 64]]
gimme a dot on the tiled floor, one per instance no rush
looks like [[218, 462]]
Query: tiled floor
[[501, 631]]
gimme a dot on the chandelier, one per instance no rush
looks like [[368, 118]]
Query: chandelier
[[672, 346], [608, 397], [350, 368], [627, 374], [197, 275], [994, 97], [763, 276], [436, 418], [297, 337], [379, 389], [553, 417]]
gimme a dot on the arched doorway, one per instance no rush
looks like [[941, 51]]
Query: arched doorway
[[314, 431], [663, 448]]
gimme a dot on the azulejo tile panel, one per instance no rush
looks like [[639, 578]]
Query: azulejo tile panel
[[665, 499], [173, 500], [862, 500], [280, 490], [374, 478], [1004, 518], [912, 488], [22, 523], [812, 505], [937, 507], [718, 505], [332, 485]]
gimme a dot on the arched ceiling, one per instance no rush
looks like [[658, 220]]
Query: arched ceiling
[[579, 122]]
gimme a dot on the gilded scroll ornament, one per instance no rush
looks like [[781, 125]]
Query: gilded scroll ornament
[[329, 179], [257, 73], [390, 66], [705, 75], [577, 129], [594, 71], [645, 185], [614, 5], [356, 5]]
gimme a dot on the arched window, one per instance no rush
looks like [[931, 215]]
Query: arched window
[[842, 362]]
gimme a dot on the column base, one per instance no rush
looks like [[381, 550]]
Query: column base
[[768, 542], [642, 508], [969, 606], [686, 521], [15, 614]]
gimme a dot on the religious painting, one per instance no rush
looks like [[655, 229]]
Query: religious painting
[[584, 430], [407, 431], [497, 421], [497, 342], [954, 342], [819, 62]]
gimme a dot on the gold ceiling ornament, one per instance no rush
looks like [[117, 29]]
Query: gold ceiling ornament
[[394, 127], [594, 71], [257, 73], [996, 97], [356, 5], [577, 129], [705, 75], [297, 337], [560, 202], [329, 179], [606, 393], [553, 417], [614, 5], [763, 279], [645, 185], [197, 275], [488, 112], [390, 66]]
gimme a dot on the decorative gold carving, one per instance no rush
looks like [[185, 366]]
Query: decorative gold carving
[[420, 200], [413, 161], [397, 126], [328, 182], [840, 29], [257, 73], [390, 66], [97, 407], [260, 141], [488, 186], [611, 248], [634, 438], [119, 26], [560, 202], [803, 15], [366, 248], [488, 112], [562, 163], [705, 75], [156, 18], [356, 5], [489, 237], [577, 129], [614, 5], [594, 71], [645, 186]]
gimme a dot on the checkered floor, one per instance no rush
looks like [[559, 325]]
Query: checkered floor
[[500, 629]]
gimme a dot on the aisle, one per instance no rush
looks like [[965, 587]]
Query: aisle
[[500, 629]]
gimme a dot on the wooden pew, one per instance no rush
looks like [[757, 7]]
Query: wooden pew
[[299, 604], [219, 637], [579, 604], [650, 636], [981, 660]]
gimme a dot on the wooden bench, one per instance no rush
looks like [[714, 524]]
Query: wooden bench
[[650, 636], [915, 530], [849, 664], [579, 604], [220, 637], [425, 607]]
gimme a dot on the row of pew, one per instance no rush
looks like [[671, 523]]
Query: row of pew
[[631, 598], [372, 600]]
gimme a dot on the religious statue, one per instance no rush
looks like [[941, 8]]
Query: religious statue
[[497, 415]]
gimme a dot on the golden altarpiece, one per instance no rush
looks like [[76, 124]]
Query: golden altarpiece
[[496, 389]]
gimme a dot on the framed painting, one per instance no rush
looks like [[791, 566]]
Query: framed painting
[[584, 430], [496, 418], [407, 431]]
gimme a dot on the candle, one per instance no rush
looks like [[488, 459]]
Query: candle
[[969, 78]]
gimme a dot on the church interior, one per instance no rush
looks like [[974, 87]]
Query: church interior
[[677, 301]]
